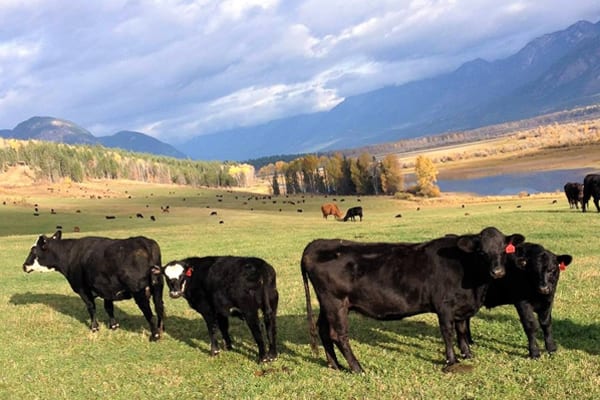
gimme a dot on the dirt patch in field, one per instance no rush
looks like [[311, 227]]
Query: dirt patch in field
[[17, 176], [20, 181]]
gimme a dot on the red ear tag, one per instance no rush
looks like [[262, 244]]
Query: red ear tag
[[510, 248], [562, 266], [188, 272]]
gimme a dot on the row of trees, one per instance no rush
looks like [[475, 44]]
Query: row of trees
[[364, 175], [55, 161]]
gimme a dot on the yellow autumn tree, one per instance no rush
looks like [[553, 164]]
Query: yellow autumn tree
[[391, 177], [426, 174]]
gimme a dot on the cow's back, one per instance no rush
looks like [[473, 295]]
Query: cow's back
[[229, 278], [391, 280]]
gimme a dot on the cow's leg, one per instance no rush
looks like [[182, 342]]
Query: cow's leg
[[270, 318], [159, 305], [447, 328], [469, 335], [143, 303], [597, 202], [528, 322], [324, 334], [254, 325], [339, 332], [211, 325], [90, 304], [462, 335], [110, 310], [586, 199], [545, 320], [223, 323]]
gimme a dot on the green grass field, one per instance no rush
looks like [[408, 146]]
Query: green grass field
[[48, 351]]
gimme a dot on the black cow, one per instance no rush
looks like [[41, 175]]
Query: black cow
[[113, 269], [529, 284], [387, 281], [591, 188], [354, 212], [574, 193], [220, 286]]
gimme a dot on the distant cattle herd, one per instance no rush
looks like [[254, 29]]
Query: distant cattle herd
[[452, 276]]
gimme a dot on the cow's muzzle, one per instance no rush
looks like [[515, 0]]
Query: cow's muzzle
[[175, 294], [498, 272], [544, 289]]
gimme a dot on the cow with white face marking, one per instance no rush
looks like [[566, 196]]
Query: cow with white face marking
[[220, 286], [113, 269]]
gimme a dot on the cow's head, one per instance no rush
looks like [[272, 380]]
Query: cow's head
[[178, 275], [493, 246], [41, 257], [542, 266]]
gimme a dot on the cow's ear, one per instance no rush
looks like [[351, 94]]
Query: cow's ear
[[42, 242], [469, 243], [515, 239], [57, 235], [564, 260]]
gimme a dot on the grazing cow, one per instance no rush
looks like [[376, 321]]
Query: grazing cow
[[354, 212], [331, 209], [574, 193], [113, 269], [591, 189], [220, 286], [388, 281], [529, 284]]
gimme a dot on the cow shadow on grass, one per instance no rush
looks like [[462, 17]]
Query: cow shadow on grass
[[191, 331], [292, 330], [566, 333], [73, 306]]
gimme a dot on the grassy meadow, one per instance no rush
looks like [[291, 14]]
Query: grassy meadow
[[48, 351]]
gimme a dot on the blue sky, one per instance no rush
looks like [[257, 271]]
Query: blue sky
[[177, 69]]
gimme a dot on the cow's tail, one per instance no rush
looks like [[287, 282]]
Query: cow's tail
[[309, 313]]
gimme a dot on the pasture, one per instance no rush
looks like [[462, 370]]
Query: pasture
[[48, 351]]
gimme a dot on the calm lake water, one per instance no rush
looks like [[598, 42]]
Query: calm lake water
[[548, 181]]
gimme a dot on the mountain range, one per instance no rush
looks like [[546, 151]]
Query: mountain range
[[60, 130], [554, 72]]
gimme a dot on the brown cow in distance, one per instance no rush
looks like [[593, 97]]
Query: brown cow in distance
[[331, 209]]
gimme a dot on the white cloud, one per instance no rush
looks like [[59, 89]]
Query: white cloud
[[179, 68]]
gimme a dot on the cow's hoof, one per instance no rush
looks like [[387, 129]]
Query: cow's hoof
[[154, 337], [114, 326], [94, 329]]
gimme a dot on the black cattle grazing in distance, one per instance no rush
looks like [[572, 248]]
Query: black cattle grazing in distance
[[220, 286], [388, 281], [354, 212], [529, 284], [574, 193], [591, 189], [113, 269]]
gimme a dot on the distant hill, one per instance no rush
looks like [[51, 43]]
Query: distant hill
[[141, 143], [63, 131], [53, 130], [551, 73]]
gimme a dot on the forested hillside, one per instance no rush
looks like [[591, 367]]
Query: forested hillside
[[55, 161]]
